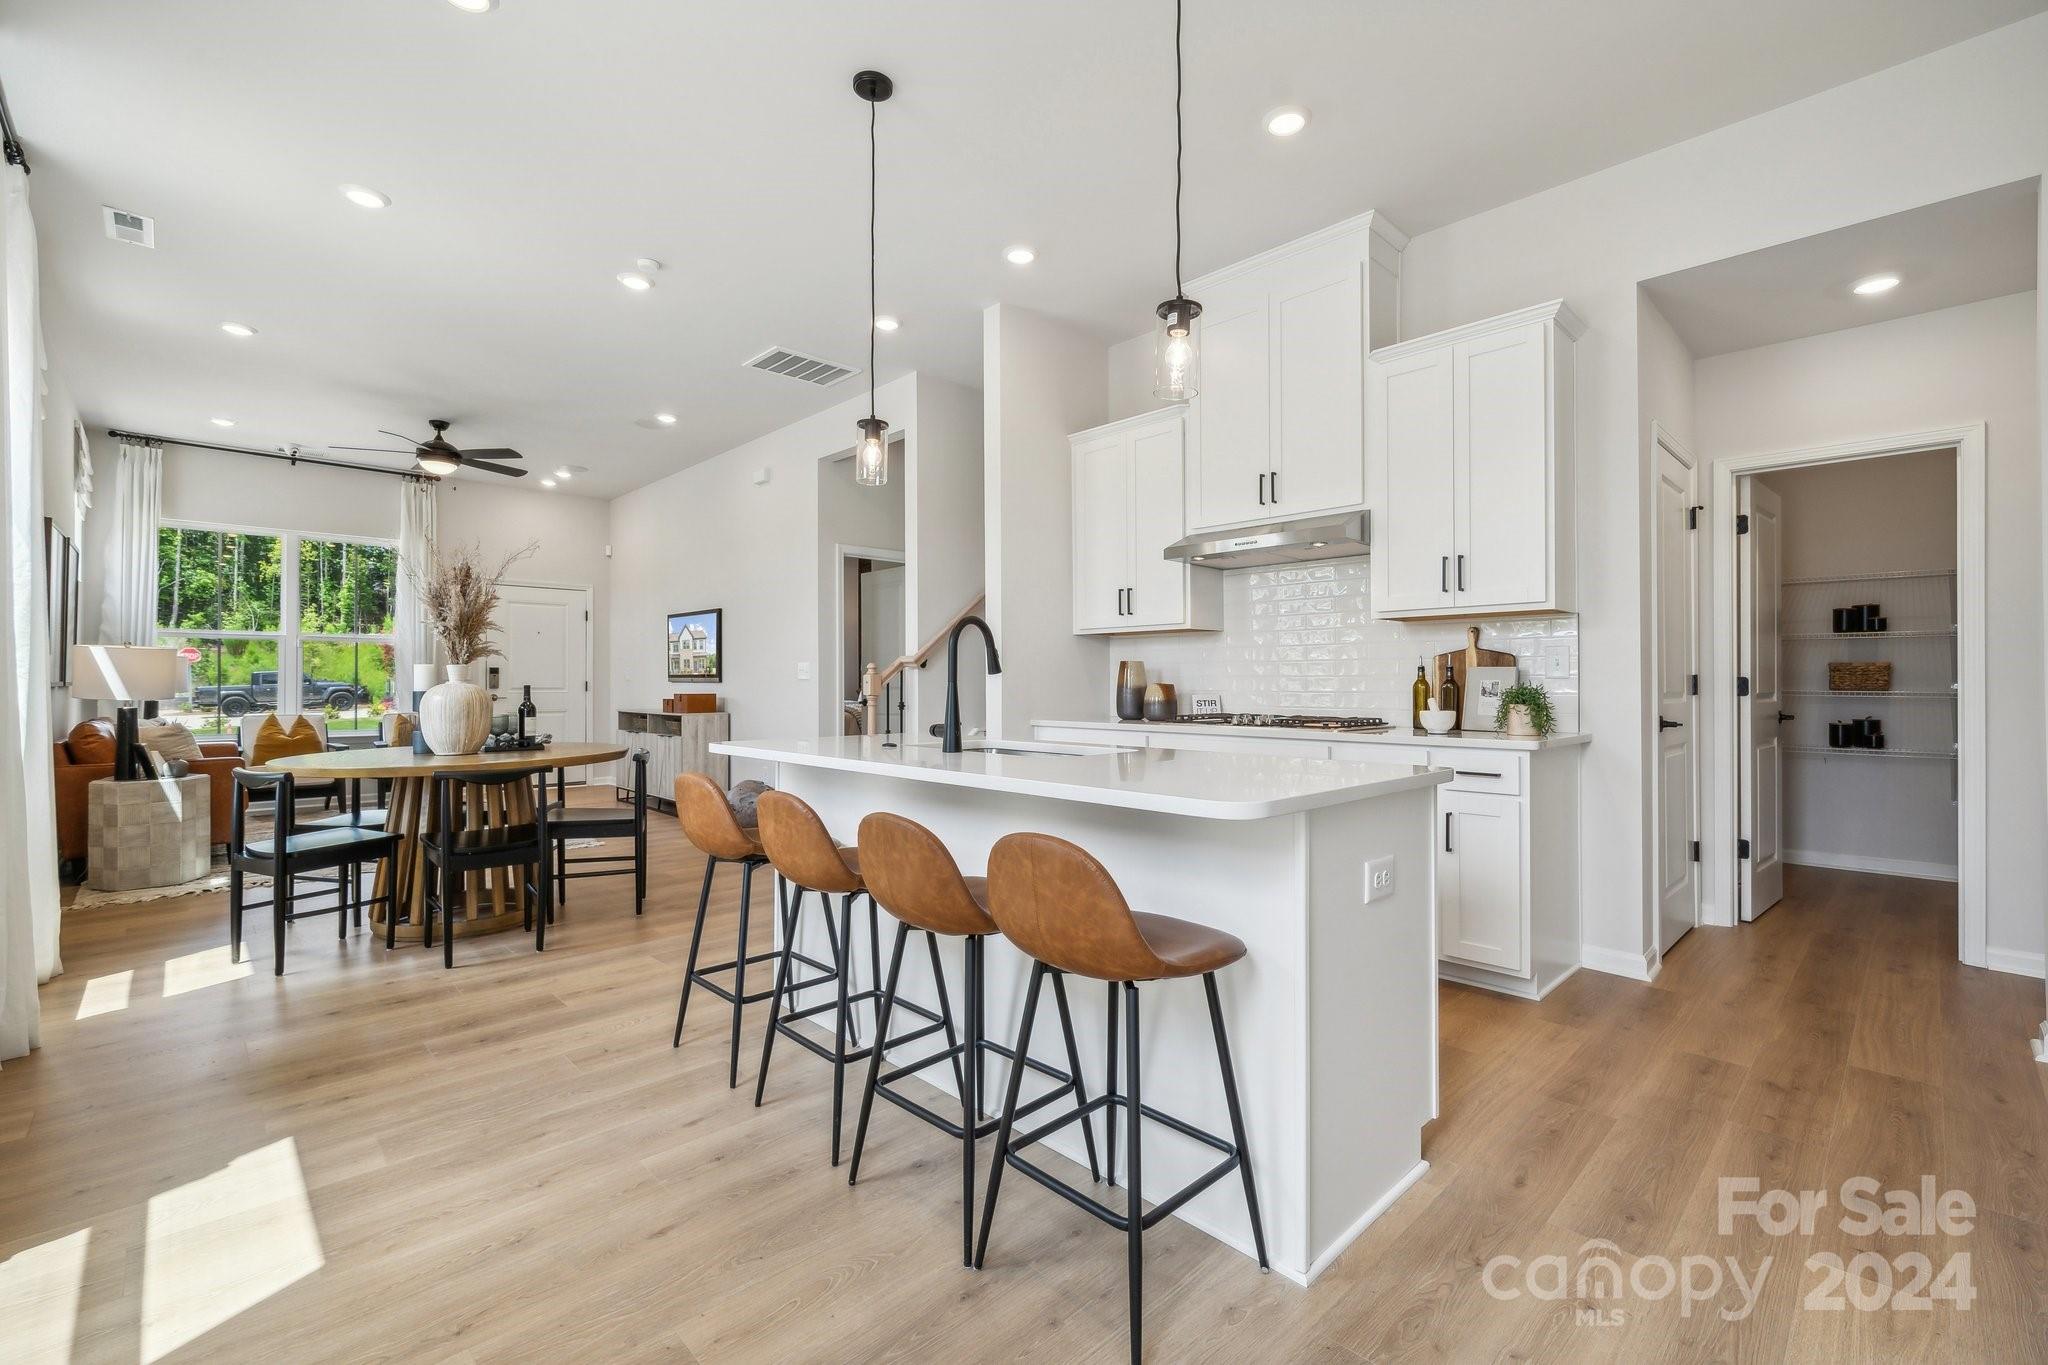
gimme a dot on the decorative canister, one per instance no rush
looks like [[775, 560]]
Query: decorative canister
[[1130, 690], [1160, 703], [455, 716]]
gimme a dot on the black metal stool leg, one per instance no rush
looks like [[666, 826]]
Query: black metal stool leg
[[696, 938], [739, 975], [782, 966], [1002, 1152], [931, 943], [1244, 1156], [1134, 1202], [840, 1020], [1109, 1111], [970, 1100], [867, 1092], [235, 915], [1059, 997]]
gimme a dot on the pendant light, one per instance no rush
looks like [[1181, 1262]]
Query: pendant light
[[871, 456], [1176, 358]]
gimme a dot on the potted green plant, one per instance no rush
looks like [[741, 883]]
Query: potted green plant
[[1525, 712]]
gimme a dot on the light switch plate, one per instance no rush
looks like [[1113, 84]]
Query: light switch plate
[[1557, 659], [1379, 879], [803, 672]]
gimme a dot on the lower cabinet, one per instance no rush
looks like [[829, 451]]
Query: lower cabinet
[[1481, 911]]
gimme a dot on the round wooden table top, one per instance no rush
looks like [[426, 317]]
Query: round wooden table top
[[401, 761]]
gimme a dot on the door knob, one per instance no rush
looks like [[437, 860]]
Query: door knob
[[1784, 716], [1663, 724]]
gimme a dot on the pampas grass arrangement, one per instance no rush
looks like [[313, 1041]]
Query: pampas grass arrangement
[[459, 597]]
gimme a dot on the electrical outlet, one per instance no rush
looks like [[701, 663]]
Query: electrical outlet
[[803, 672], [1379, 879], [1557, 659]]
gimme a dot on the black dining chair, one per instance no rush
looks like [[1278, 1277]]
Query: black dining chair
[[566, 822], [290, 853], [452, 851]]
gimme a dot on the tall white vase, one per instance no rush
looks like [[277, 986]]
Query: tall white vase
[[455, 716]]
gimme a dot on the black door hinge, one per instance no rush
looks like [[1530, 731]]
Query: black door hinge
[[1692, 518], [1742, 848], [1742, 687], [1692, 685], [1742, 524], [1695, 850]]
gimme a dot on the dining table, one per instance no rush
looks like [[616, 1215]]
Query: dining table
[[488, 901]]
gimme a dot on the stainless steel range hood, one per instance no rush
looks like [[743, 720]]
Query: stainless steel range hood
[[1283, 542]]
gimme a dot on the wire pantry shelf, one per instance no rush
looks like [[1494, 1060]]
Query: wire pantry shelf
[[1886, 576], [1902, 696], [1823, 751], [1861, 635]]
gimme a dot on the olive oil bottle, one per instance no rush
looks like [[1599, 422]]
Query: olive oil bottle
[[1450, 695], [1421, 691]]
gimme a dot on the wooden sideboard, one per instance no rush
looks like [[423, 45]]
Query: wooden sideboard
[[675, 744]]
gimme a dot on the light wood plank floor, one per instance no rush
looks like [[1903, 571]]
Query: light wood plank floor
[[508, 1162]]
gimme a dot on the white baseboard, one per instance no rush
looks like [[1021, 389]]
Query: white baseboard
[[1888, 867], [2041, 1045], [2018, 963], [1635, 966], [1365, 1220]]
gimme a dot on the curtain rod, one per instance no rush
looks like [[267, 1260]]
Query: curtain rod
[[9, 139], [323, 462]]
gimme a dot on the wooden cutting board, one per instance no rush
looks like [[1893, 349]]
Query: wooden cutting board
[[1468, 658]]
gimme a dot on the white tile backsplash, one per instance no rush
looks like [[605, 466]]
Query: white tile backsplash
[[1302, 638]]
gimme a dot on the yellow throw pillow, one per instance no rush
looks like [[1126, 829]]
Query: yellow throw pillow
[[401, 730], [273, 740], [170, 740]]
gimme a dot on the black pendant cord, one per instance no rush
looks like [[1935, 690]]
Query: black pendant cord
[[1178, 141], [873, 107]]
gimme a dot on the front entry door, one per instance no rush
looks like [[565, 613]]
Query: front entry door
[[544, 644], [1677, 786], [1762, 755]]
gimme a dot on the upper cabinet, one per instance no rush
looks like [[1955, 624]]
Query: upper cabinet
[[1468, 460], [1127, 491], [1276, 431]]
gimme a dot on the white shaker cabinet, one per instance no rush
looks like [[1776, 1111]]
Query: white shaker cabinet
[[1469, 467], [1127, 492], [1479, 886], [1276, 431]]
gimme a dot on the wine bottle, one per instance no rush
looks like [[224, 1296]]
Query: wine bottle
[[1421, 691], [1449, 695]]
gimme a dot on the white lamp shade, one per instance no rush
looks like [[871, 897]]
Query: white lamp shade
[[126, 673]]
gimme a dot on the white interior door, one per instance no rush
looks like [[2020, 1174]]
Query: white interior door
[[1762, 754], [544, 644], [1677, 787], [881, 621]]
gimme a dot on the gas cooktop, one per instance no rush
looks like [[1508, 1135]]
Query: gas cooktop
[[1350, 724]]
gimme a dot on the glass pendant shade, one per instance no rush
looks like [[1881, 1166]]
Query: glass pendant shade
[[438, 464], [1176, 357], [871, 456]]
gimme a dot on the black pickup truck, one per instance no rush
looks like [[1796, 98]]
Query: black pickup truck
[[260, 694]]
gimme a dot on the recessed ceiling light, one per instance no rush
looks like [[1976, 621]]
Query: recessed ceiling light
[[364, 198], [1020, 255], [667, 419], [238, 329], [547, 483], [885, 323], [475, 6], [1287, 120], [223, 421], [636, 281], [1877, 284]]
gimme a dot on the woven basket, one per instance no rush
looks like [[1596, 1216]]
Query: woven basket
[[1859, 677]]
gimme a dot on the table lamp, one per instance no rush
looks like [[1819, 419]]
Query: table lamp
[[127, 674]]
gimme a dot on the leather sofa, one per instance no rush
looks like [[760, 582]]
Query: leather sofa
[[87, 754]]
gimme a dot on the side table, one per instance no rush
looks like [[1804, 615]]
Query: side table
[[148, 832]]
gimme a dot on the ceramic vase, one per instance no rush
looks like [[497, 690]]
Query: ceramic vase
[[455, 716], [1519, 724], [1130, 690], [1160, 703]]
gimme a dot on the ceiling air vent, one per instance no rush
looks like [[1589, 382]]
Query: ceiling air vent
[[133, 228], [806, 368]]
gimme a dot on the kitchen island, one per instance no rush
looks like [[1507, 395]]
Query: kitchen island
[[1332, 1015]]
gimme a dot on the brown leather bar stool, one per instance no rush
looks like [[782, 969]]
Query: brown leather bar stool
[[1057, 903], [805, 856], [708, 822], [910, 872]]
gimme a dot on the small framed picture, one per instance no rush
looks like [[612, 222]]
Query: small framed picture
[[1483, 688], [1205, 703], [696, 648]]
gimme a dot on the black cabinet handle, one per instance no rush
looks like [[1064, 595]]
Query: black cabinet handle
[[1461, 573], [1274, 483], [1447, 833], [1444, 574], [1262, 490], [1663, 724], [1474, 772], [1130, 601]]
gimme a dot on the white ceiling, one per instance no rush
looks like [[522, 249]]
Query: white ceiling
[[1976, 246], [532, 153]]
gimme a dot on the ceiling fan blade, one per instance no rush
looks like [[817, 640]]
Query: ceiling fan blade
[[375, 450], [498, 453], [399, 435], [511, 471]]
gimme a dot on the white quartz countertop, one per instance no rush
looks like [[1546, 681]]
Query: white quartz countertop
[[1400, 734], [1204, 785]]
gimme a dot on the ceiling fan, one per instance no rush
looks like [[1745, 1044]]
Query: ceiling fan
[[437, 456]]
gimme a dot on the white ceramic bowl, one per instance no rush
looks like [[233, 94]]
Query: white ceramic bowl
[[1438, 722]]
